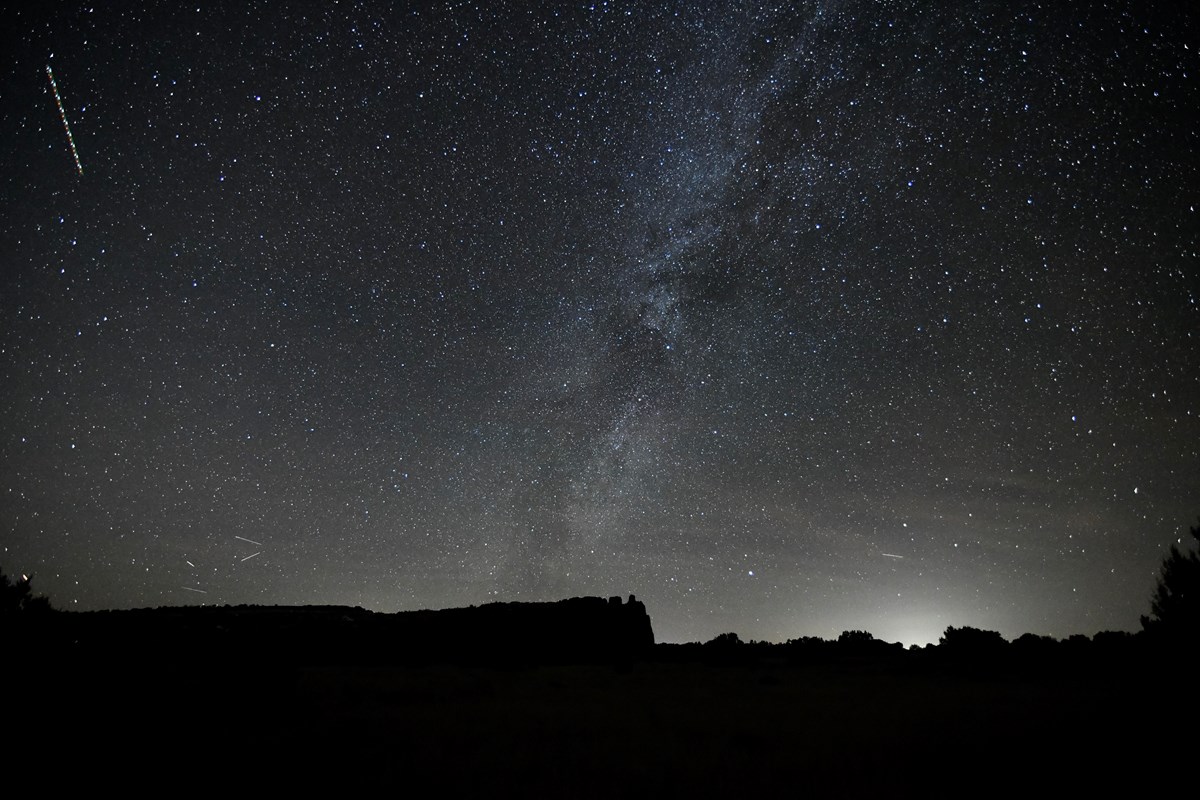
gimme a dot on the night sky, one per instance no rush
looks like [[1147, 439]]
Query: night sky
[[788, 319]]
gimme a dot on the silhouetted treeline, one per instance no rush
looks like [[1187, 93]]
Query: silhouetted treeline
[[961, 649], [582, 629], [571, 699]]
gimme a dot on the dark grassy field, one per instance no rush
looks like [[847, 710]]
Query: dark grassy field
[[663, 727]]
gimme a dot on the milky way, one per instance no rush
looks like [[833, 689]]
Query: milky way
[[787, 319]]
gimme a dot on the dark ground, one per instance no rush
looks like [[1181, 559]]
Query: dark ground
[[665, 725]]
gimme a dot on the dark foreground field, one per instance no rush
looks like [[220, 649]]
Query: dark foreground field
[[661, 726]]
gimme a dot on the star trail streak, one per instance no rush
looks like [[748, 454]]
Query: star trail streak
[[62, 114], [788, 318]]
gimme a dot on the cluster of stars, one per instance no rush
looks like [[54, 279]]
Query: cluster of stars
[[788, 321]]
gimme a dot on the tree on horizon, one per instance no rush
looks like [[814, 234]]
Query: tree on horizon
[[1175, 604], [17, 596]]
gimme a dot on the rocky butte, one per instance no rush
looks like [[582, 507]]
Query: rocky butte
[[576, 629]]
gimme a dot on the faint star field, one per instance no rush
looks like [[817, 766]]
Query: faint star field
[[789, 319]]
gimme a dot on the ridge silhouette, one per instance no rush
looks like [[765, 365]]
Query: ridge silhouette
[[569, 699]]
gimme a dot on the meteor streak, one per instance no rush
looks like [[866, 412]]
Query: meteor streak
[[244, 539], [62, 114]]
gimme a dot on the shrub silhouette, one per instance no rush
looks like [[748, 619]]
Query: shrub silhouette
[[1175, 604], [855, 638], [971, 641], [724, 640], [16, 597], [862, 643]]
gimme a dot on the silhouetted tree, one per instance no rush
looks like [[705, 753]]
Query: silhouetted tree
[[855, 637], [809, 647], [724, 640], [861, 643], [17, 596], [1175, 604], [972, 641], [1031, 644]]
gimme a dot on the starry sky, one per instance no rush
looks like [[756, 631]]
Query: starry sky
[[787, 318]]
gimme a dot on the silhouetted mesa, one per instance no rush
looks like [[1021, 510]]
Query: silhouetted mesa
[[580, 628]]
